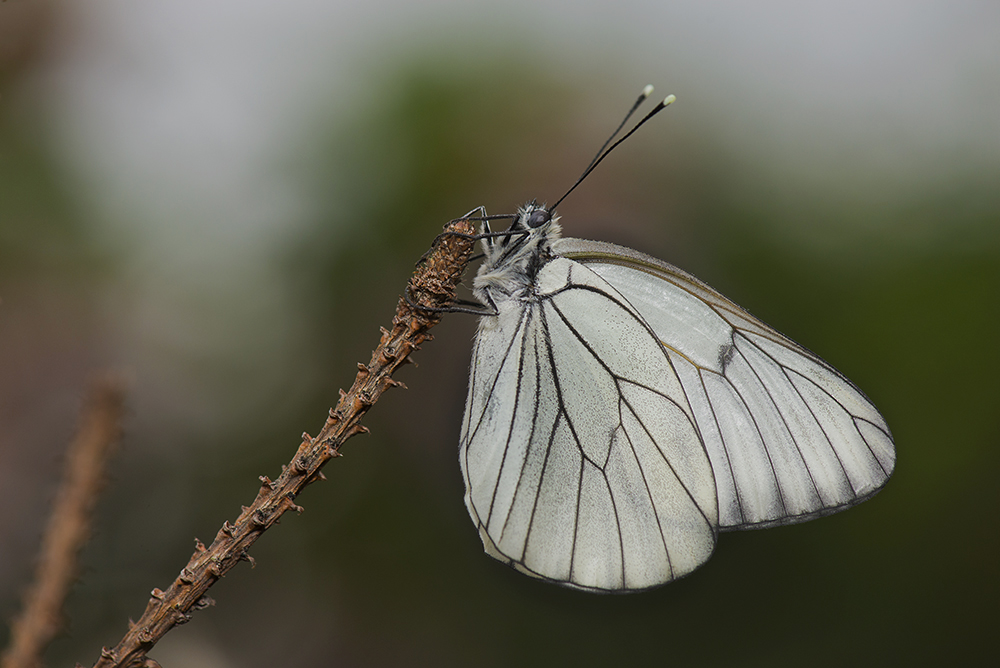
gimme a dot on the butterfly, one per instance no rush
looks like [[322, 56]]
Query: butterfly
[[621, 413]]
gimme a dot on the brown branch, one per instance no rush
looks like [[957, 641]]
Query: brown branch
[[69, 524], [432, 285]]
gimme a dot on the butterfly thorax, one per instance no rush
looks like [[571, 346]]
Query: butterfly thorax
[[513, 261]]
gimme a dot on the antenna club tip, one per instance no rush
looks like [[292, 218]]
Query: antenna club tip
[[648, 90], [669, 100]]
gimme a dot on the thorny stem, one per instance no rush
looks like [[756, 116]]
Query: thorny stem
[[433, 284], [69, 524]]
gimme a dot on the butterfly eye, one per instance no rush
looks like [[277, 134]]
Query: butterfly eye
[[538, 218]]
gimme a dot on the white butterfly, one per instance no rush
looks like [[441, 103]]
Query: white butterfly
[[621, 413]]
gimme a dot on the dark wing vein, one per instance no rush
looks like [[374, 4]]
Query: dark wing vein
[[853, 419], [819, 424], [667, 460], [722, 437], [649, 492], [524, 462], [611, 373], [513, 338], [618, 521], [561, 413], [756, 426], [619, 379], [827, 367], [513, 419], [777, 410]]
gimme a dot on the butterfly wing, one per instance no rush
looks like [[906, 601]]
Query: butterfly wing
[[789, 437], [582, 461]]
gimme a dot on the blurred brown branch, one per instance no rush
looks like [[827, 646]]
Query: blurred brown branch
[[69, 524], [433, 285]]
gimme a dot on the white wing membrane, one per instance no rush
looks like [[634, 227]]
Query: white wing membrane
[[788, 436], [581, 456]]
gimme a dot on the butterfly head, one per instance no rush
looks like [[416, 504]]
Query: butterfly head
[[532, 216], [512, 259], [537, 221], [534, 228]]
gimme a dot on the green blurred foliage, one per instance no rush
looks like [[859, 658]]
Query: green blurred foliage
[[41, 230]]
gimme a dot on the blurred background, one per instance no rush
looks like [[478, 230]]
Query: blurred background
[[224, 200]]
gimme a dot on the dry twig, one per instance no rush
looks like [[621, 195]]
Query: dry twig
[[432, 285], [69, 524]]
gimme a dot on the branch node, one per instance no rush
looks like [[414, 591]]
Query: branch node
[[354, 431], [292, 505], [205, 601], [300, 465]]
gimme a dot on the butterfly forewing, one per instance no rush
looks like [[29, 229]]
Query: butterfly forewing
[[582, 460], [788, 436]]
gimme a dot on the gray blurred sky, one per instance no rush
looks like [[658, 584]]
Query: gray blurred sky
[[178, 110]]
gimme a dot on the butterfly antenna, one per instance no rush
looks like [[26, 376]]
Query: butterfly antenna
[[642, 98], [605, 150]]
